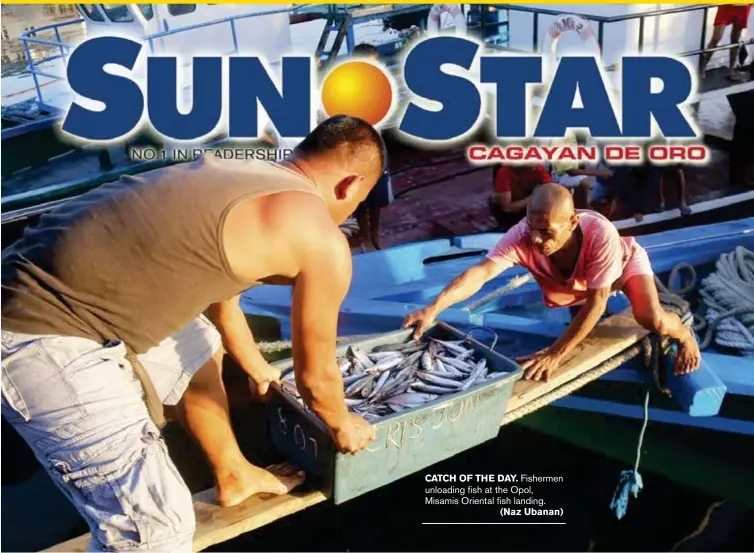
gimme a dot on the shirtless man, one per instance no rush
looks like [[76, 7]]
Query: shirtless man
[[577, 257], [103, 300]]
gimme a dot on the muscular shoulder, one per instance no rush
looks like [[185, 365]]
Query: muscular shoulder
[[284, 233]]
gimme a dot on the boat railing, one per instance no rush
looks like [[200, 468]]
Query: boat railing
[[30, 38], [602, 21]]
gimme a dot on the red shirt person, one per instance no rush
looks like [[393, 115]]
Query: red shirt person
[[513, 185]]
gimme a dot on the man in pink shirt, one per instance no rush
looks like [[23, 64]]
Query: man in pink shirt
[[577, 258]]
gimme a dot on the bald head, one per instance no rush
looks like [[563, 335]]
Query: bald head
[[551, 199], [551, 218]]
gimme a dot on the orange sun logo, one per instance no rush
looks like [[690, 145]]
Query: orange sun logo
[[358, 89]]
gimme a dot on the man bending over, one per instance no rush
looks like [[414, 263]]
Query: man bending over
[[577, 258], [102, 324]]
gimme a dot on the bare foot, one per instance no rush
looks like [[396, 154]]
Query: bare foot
[[251, 480], [689, 357]]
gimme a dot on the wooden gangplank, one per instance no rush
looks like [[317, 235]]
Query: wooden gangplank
[[215, 524], [613, 336]]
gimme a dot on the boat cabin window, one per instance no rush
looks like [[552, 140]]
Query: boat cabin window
[[181, 9], [147, 11], [118, 13], [92, 12]]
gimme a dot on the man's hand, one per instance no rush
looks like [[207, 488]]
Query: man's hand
[[605, 173], [353, 436], [422, 320], [539, 365], [261, 379]]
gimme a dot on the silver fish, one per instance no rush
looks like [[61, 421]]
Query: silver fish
[[449, 370], [452, 346], [432, 349], [361, 357], [426, 361], [348, 380], [396, 347], [381, 381], [431, 389], [460, 365], [437, 380]]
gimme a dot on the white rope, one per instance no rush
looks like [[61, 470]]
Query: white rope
[[512, 284], [728, 295]]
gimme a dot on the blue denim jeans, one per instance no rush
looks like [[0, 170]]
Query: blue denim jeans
[[80, 408]]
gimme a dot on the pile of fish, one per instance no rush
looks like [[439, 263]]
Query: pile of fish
[[396, 377]]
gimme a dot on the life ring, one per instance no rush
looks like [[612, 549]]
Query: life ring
[[454, 10], [563, 24]]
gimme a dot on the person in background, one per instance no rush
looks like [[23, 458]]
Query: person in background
[[513, 186], [737, 16], [369, 212], [669, 173], [572, 175]]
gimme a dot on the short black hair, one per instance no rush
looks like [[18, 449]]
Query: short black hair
[[365, 49], [352, 139]]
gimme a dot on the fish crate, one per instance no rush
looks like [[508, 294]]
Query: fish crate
[[407, 441]]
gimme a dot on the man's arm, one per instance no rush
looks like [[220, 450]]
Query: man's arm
[[584, 322], [461, 288], [538, 366], [239, 342], [467, 284], [319, 289]]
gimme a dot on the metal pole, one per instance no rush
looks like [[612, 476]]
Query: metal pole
[[235, 38], [60, 41], [703, 42], [535, 37], [601, 36], [32, 70], [641, 33]]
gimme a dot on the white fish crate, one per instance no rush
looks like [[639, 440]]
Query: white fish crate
[[407, 441]]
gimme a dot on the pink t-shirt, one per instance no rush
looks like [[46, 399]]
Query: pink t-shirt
[[603, 257]]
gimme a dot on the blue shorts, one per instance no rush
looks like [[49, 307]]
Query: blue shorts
[[380, 196]]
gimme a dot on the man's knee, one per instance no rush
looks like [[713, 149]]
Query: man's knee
[[135, 499]]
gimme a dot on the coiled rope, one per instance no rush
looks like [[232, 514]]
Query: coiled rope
[[728, 296]]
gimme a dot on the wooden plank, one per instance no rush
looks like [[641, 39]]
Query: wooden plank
[[215, 524], [608, 339]]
